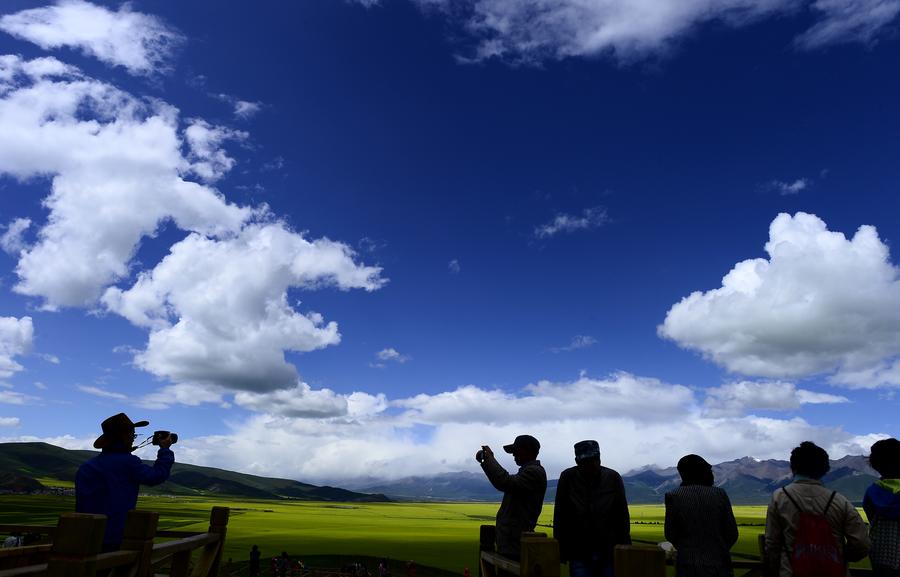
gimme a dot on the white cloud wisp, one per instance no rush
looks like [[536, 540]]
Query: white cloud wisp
[[140, 43], [533, 31]]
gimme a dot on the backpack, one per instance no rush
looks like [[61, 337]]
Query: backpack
[[816, 552]]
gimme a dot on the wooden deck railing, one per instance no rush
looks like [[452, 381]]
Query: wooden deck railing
[[540, 558], [78, 539]]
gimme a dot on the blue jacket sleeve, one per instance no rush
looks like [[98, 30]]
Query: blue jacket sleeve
[[158, 473]]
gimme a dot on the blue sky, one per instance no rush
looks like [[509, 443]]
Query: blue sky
[[332, 239]]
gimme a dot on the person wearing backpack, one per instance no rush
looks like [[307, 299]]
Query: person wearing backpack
[[812, 531], [882, 506]]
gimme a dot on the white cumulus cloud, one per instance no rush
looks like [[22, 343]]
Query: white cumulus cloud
[[216, 306], [299, 401], [740, 397], [821, 303], [141, 43], [117, 169], [16, 336], [9, 421], [218, 311]]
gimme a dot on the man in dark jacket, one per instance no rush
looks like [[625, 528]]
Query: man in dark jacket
[[523, 493], [590, 516], [108, 484]]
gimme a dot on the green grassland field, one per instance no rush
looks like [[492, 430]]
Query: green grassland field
[[441, 535]]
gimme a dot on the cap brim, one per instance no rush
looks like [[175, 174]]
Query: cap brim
[[509, 448], [100, 442], [142, 423]]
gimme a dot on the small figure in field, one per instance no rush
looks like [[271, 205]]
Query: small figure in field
[[700, 522], [812, 531], [882, 506], [284, 564], [254, 561], [523, 492], [108, 484], [466, 572], [384, 569], [590, 515], [411, 569]]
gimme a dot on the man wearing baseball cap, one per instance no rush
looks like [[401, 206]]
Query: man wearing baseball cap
[[523, 492], [108, 484], [590, 515]]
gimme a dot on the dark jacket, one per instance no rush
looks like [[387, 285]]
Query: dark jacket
[[108, 484], [882, 499], [701, 526], [523, 499], [882, 506], [590, 516]]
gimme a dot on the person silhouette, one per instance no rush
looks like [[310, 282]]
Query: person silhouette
[[700, 522]]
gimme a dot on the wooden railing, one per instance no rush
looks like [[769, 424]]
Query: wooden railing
[[648, 560], [78, 539], [539, 557]]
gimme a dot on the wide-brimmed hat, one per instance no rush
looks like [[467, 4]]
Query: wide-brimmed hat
[[523, 441], [114, 427]]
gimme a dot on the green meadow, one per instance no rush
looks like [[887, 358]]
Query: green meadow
[[442, 535]]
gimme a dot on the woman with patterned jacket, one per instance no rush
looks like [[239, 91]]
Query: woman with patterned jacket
[[699, 522]]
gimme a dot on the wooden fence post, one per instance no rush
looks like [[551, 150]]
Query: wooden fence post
[[639, 561], [140, 529], [486, 539], [218, 523], [79, 538], [540, 556]]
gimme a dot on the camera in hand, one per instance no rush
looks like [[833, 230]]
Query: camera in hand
[[479, 456], [161, 435]]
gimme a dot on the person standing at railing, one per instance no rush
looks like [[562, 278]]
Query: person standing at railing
[[700, 522], [254, 561], [523, 492], [108, 484], [882, 506], [590, 515], [812, 531]]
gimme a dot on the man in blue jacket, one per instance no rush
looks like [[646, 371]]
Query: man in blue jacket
[[108, 484]]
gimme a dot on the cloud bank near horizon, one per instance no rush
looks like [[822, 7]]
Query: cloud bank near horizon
[[333, 437]]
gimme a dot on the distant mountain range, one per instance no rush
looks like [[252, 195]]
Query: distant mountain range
[[33, 467], [26, 467], [747, 481]]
